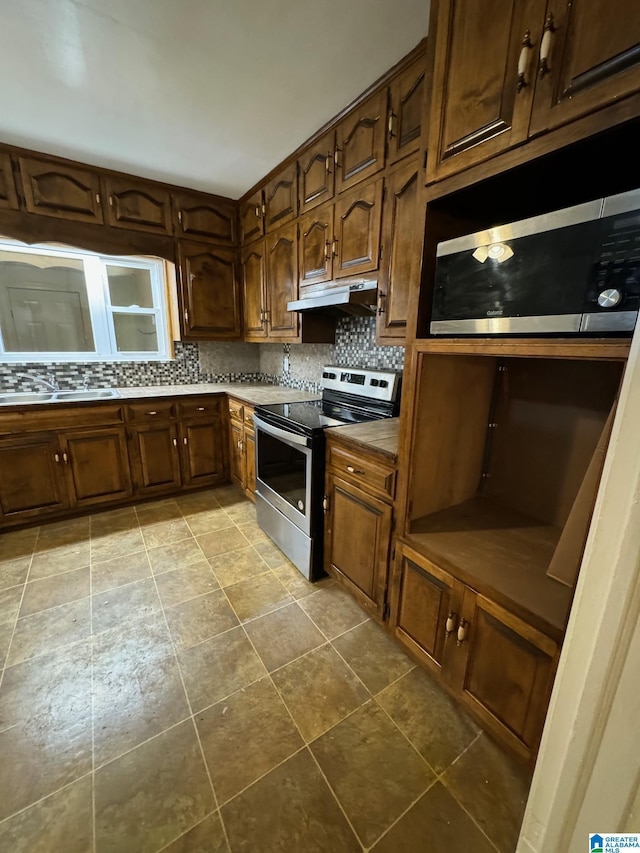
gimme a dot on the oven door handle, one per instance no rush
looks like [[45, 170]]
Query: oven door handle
[[284, 434]]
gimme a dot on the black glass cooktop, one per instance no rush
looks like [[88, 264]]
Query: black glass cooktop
[[312, 415]]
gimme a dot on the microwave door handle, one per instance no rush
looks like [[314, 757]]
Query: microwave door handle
[[277, 432]]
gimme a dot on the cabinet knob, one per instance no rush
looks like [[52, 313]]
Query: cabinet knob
[[523, 60], [151, 413], [175, 442], [184, 440], [462, 632], [56, 456], [201, 408], [452, 621], [65, 458], [545, 45]]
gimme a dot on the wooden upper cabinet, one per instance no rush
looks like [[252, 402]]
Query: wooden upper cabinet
[[478, 108], [402, 239], [8, 197], [254, 292], [66, 192], [316, 172], [594, 59], [360, 142], [358, 217], [252, 218], [199, 217], [210, 294], [315, 246], [138, 206], [282, 281], [281, 198], [406, 123]]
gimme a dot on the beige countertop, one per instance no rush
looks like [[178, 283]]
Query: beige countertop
[[379, 435], [253, 393]]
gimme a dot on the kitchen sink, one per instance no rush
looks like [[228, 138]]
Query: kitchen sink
[[19, 398]]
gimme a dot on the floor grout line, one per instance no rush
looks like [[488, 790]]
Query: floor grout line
[[93, 721], [15, 622], [335, 797], [26, 808]]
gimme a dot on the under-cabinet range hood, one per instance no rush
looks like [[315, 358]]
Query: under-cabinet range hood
[[356, 298]]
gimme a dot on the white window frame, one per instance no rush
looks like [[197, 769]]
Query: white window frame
[[100, 308]]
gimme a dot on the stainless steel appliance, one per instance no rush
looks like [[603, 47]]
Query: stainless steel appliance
[[574, 271], [290, 450]]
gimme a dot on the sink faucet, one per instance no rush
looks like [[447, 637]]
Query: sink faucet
[[48, 381], [86, 381]]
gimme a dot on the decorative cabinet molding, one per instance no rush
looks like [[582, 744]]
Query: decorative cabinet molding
[[199, 217], [8, 195]]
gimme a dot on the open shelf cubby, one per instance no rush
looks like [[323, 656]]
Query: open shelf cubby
[[507, 455]]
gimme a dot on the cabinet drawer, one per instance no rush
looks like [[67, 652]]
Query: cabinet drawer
[[153, 410], [198, 407], [374, 476], [248, 417], [236, 410]]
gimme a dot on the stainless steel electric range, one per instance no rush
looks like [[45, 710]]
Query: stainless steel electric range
[[290, 448]]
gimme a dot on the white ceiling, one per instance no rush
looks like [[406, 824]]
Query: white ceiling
[[209, 94]]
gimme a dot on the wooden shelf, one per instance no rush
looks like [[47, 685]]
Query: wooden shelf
[[499, 553], [589, 348]]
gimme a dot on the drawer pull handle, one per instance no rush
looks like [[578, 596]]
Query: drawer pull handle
[[201, 408], [450, 625], [151, 413], [353, 470], [184, 440], [462, 632], [65, 458], [56, 456], [175, 442]]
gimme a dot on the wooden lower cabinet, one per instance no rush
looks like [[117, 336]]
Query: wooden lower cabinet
[[202, 457], [96, 465], [242, 446], [153, 451], [500, 667], [31, 477], [357, 541]]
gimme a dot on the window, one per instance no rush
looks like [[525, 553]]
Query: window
[[66, 305]]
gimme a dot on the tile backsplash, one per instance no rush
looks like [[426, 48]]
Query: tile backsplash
[[290, 365]]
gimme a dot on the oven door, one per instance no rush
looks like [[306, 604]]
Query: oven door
[[283, 471]]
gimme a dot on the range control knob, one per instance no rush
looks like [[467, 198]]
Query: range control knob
[[609, 298]]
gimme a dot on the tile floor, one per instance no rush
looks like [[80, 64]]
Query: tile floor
[[170, 682]]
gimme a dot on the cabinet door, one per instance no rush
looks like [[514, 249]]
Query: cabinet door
[[252, 218], [236, 453], [282, 281], [358, 217], [210, 293], [406, 124], [402, 239], [281, 198], [360, 141], [477, 106], [357, 540], [316, 172], [31, 479], [505, 671], [97, 465], [315, 246], [202, 218], [138, 206], [65, 192], [8, 197], [202, 451], [425, 610], [254, 292], [154, 458], [593, 60], [250, 461]]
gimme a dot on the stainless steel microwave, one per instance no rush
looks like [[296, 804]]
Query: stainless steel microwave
[[573, 271]]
